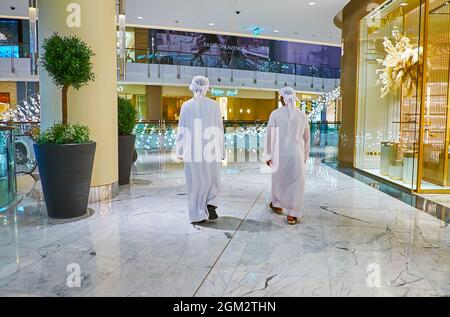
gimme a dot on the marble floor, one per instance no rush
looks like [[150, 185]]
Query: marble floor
[[354, 241]]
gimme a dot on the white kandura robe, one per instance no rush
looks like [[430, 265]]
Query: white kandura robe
[[288, 145], [202, 175]]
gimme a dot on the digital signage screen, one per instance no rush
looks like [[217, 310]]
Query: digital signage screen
[[226, 51]]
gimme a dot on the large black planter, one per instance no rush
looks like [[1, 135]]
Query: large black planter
[[65, 171], [126, 151]]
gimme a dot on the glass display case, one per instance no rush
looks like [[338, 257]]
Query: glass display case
[[403, 94], [8, 190]]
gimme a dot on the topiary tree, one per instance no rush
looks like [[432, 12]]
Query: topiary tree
[[68, 62], [126, 116]]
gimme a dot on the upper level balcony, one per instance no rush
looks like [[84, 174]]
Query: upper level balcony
[[176, 68], [15, 63]]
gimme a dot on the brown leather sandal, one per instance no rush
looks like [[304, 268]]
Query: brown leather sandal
[[276, 209], [292, 220]]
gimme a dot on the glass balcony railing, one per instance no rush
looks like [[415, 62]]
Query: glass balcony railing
[[245, 142], [8, 186], [14, 50], [229, 61], [246, 139]]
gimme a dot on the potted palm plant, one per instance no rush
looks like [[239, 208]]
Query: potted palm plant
[[65, 152], [126, 122]]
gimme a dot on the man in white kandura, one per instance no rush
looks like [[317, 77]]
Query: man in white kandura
[[287, 149], [200, 144]]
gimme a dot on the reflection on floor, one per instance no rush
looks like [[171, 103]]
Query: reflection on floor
[[354, 241], [443, 199], [409, 185]]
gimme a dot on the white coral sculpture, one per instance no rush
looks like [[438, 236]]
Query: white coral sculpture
[[401, 65]]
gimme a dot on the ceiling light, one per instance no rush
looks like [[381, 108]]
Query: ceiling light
[[312, 3], [404, 4], [140, 18], [210, 24], [276, 31]]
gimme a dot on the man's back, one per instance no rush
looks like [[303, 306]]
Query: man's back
[[290, 133], [203, 122]]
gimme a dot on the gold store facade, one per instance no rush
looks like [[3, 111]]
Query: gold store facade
[[402, 98]]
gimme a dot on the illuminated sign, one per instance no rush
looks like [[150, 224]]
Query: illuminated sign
[[3, 37], [232, 93], [224, 93]]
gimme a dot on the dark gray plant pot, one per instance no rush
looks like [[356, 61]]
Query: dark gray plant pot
[[126, 151], [65, 171]]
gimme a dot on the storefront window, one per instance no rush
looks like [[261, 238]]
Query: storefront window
[[403, 98], [389, 111], [434, 169]]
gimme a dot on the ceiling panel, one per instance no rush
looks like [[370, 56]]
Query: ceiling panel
[[281, 19]]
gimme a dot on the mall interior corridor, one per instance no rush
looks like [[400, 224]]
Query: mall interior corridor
[[213, 156], [353, 241]]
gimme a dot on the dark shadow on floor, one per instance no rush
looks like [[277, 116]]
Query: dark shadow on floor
[[227, 223]]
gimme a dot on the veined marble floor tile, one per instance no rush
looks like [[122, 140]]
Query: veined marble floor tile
[[16, 257], [348, 288], [57, 275], [113, 244], [143, 279], [200, 250], [395, 271], [13, 259], [250, 284], [14, 294], [215, 283], [434, 266], [142, 244]]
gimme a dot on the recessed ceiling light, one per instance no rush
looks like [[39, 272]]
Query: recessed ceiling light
[[312, 3], [276, 31], [140, 18], [210, 24]]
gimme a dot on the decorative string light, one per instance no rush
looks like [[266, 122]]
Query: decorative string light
[[28, 110], [324, 101], [150, 137]]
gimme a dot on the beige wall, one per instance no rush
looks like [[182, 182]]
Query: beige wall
[[154, 103], [96, 104], [11, 88], [260, 109], [352, 15], [132, 89]]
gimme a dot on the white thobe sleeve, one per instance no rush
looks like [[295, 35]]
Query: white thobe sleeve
[[181, 131], [307, 139], [270, 134], [222, 135]]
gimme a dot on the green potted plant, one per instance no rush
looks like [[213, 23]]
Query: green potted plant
[[65, 152], [126, 122]]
